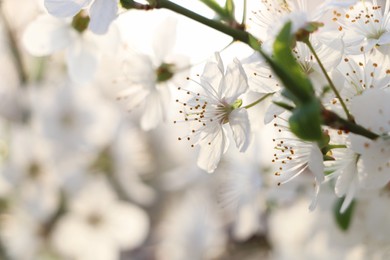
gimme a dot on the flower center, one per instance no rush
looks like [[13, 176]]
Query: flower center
[[95, 219], [164, 72], [34, 170], [81, 21]]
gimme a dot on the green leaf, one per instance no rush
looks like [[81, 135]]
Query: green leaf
[[343, 220], [283, 105], [287, 68], [305, 121], [127, 4], [298, 82]]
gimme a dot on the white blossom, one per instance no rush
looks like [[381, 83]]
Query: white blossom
[[101, 12], [98, 225], [218, 105], [149, 77], [375, 154]]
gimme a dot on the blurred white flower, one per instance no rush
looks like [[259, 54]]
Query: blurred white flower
[[217, 105], [32, 173], [75, 119], [98, 226], [25, 237], [243, 192], [149, 77], [101, 12], [191, 230], [46, 35], [132, 159]]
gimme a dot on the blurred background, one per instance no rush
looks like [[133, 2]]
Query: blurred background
[[81, 179]]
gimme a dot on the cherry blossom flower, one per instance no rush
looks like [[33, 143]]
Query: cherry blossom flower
[[32, 174], [192, 229], [365, 25], [219, 105], [243, 191], [149, 78], [374, 154], [346, 170], [275, 14], [98, 225], [47, 35], [101, 12], [293, 157]]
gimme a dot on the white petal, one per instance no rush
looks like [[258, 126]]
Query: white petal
[[345, 179], [349, 197], [375, 172], [155, 108], [384, 39], [82, 61], [272, 111], [164, 39], [134, 95], [210, 155], [316, 163], [129, 225], [211, 76], [139, 70], [70, 235], [65, 8], [239, 123], [46, 35], [236, 82], [314, 200], [375, 112], [102, 13]]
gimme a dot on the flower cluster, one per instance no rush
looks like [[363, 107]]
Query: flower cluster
[[112, 114]]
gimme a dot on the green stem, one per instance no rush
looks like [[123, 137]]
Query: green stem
[[258, 101], [333, 120], [332, 86], [237, 34], [243, 21], [14, 49], [335, 146]]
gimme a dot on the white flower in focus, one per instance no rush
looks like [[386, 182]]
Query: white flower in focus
[[275, 14], [149, 77], [366, 25], [346, 170], [101, 12], [372, 111], [293, 157], [98, 226], [364, 72], [219, 105]]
